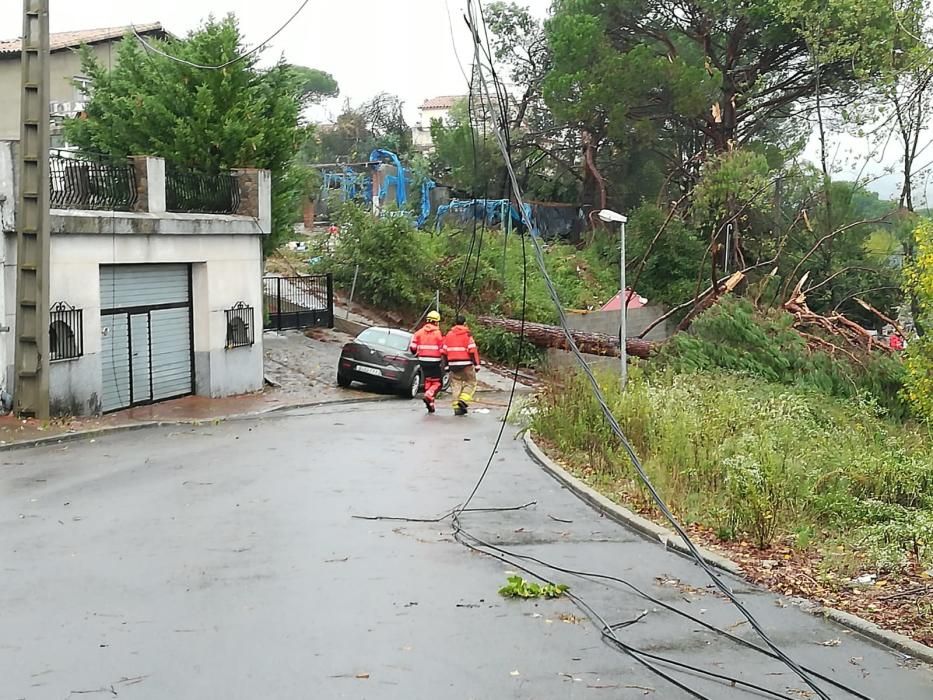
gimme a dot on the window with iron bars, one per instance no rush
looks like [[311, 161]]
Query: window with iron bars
[[240, 332], [66, 332]]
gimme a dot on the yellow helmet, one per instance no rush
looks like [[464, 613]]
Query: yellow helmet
[[434, 316]]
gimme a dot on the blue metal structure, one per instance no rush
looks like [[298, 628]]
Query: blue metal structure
[[352, 184], [399, 179], [426, 188], [492, 211]]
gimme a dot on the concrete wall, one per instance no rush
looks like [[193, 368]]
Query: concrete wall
[[64, 67], [608, 322], [9, 191], [225, 253], [226, 268]]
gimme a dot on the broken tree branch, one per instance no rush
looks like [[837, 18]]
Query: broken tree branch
[[700, 298], [829, 236], [871, 309]]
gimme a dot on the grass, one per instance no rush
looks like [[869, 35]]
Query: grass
[[757, 460]]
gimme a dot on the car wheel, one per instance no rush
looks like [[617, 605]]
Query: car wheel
[[343, 380], [445, 382], [411, 389]]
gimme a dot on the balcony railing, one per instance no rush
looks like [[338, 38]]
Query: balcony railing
[[87, 181], [202, 193]]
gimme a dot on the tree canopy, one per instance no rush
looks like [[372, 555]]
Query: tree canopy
[[206, 120]]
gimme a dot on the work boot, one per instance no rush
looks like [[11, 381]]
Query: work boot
[[429, 404], [460, 408]]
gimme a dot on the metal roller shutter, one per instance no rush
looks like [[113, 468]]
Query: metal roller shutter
[[146, 317]]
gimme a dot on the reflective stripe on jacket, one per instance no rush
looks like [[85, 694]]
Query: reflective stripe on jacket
[[459, 347], [427, 342]]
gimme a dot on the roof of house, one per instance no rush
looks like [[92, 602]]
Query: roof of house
[[615, 304], [71, 40], [442, 102]]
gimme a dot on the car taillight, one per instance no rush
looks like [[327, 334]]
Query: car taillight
[[397, 359]]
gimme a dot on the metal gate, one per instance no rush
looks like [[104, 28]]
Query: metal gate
[[298, 302], [147, 348]]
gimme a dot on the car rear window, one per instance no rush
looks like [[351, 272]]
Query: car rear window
[[385, 338]]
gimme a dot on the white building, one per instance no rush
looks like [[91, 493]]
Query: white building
[[433, 109], [148, 303]]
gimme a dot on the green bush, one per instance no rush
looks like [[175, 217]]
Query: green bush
[[401, 268], [501, 346], [395, 260], [918, 282], [735, 336], [756, 459]]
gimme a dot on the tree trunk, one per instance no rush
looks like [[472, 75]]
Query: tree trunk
[[545, 336], [591, 174]]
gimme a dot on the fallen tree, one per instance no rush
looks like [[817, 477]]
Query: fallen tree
[[834, 325], [854, 336], [545, 336]]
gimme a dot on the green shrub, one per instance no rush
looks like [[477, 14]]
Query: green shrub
[[755, 459], [735, 336], [918, 282], [501, 346], [395, 260]]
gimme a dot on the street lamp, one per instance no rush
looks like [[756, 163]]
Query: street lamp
[[612, 217]]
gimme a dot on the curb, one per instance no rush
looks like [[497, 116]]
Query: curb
[[670, 540], [896, 641], [623, 515], [130, 427]]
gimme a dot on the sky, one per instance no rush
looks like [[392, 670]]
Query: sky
[[403, 47]]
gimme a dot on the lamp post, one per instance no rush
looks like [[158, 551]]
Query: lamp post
[[611, 217]]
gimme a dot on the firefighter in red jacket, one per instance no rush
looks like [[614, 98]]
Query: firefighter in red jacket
[[426, 344], [463, 359]]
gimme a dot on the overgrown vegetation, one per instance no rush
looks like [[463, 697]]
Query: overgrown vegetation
[[400, 268], [759, 460], [737, 337], [244, 116], [919, 284]]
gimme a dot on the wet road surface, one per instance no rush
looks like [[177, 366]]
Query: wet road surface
[[223, 561]]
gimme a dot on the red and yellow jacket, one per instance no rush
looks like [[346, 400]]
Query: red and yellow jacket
[[426, 343], [459, 347]]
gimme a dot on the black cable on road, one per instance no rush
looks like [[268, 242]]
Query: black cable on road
[[667, 606], [604, 407]]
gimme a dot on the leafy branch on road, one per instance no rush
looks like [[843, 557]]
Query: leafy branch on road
[[518, 587]]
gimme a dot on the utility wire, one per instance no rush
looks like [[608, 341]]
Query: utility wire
[[254, 50], [607, 412], [667, 606]]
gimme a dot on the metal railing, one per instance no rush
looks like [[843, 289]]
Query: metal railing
[[298, 302], [201, 193], [66, 332], [240, 333], [86, 181]]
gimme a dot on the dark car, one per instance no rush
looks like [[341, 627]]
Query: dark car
[[380, 357]]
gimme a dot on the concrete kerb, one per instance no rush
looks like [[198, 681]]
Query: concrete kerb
[[671, 540], [621, 514], [93, 433]]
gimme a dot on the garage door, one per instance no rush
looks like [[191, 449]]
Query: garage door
[[146, 326]]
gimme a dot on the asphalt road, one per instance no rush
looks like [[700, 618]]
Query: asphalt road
[[223, 561]]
